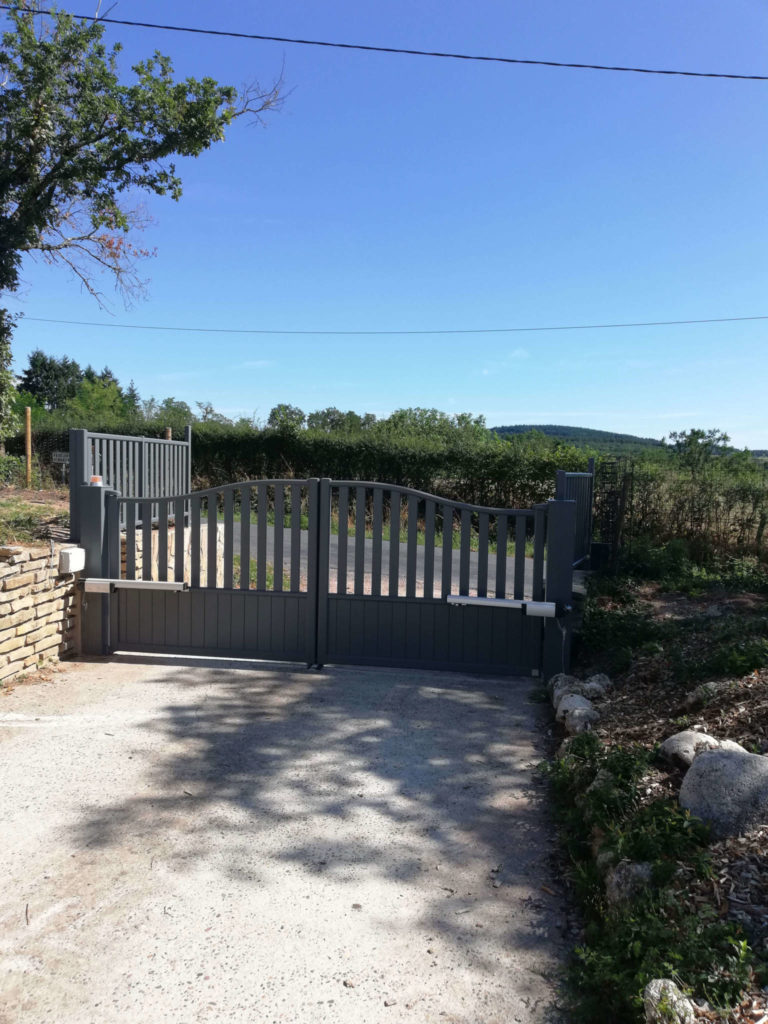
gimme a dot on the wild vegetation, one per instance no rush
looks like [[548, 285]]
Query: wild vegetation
[[667, 622]]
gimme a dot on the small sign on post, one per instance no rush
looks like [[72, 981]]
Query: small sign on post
[[61, 459]]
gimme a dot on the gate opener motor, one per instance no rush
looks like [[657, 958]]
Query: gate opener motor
[[98, 586], [533, 609]]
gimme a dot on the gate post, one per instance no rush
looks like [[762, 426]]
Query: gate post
[[313, 487], [561, 526], [79, 474], [321, 573], [100, 536]]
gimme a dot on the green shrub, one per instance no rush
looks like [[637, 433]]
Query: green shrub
[[12, 471]]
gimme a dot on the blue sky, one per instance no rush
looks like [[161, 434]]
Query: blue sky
[[396, 192]]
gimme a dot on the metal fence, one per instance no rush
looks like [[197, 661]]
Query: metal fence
[[579, 487], [133, 466]]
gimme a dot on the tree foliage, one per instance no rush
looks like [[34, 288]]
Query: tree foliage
[[76, 144]]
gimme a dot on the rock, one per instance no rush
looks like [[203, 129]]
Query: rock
[[593, 690], [581, 720], [683, 747], [703, 694], [665, 1004], [563, 688], [728, 789], [604, 860], [626, 880], [602, 680], [603, 780], [733, 746], [558, 679], [570, 702]]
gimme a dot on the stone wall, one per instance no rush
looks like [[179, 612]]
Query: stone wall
[[154, 574], [39, 611]]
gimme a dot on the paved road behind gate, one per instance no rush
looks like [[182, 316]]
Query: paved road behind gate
[[264, 844]]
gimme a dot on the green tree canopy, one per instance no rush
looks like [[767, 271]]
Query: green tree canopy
[[76, 143], [52, 381], [287, 418]]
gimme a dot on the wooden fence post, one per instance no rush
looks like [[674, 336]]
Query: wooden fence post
[[28, 445]]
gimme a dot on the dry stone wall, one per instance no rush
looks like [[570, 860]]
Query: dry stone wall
[[39, 611]]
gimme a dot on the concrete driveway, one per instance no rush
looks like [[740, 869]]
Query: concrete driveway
[[262, 844]]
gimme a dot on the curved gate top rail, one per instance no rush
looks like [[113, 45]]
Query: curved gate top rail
[[322, 570]]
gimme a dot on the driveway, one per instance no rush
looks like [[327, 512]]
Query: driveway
[[258, 844]]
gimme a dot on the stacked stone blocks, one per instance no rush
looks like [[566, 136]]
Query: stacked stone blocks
[[39, 611]]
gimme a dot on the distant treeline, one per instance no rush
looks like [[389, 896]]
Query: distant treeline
[[584, 437]]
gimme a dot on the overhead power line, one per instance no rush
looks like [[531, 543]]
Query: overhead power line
[[466, 330], [391, 49]]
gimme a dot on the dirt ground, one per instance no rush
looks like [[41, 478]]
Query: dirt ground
[[262, 844]]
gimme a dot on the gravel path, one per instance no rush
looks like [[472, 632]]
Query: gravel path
[[259, 844]]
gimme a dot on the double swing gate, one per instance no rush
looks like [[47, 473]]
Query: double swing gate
[[324, 571]]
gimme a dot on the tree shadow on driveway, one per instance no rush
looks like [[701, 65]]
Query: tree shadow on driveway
[[408, 796]]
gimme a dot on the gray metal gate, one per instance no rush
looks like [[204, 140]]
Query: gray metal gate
[[330, 571]]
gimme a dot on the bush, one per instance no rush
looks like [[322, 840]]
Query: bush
[[12, 470]]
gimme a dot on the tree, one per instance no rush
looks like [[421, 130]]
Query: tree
[[695, 449], [97, 403], [286, 418], [132, 403], [209, 415], [52, 381], [75, 143], [9, 418], [175, 414]]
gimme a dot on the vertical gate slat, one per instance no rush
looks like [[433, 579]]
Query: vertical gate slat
[[245, 538], [429, 549], [412, 546], [146, 540], [162, 540], [395, 498], [539, 527], [378, 527], [295, 537], [341, 561], [213, 536], [502, 526], [130, 542], [520, 525], [261, 536], [447, 568], [229, 537], [464, 549], [360, 540], [279, 527], [178, 528], [482, 555], [194, 541]]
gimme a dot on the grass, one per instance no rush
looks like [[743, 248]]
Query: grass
[[252, 575], [22, 522], [597, 793], [674, 622]]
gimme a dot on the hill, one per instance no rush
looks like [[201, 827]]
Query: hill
[[585, 437]]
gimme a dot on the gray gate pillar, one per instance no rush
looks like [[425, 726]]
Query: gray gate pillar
[[79, 474], [100, 536], [561, 527]]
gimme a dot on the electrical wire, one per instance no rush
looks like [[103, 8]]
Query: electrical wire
[[389, 49], [466, 330]]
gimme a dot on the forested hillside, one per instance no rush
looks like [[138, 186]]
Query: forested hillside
[[604, 441]]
